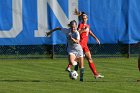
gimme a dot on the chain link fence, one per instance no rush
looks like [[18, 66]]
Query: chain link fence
[[59, 51]]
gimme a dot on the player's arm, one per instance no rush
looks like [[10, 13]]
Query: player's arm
[[51, 31], [75, 40], [97, 40], [81, 30]]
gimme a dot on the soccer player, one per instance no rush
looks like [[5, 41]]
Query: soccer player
[[74, 48], [84, 30]]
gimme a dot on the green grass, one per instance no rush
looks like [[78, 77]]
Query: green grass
[[48, 76]]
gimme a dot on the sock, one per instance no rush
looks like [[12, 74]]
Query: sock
[[93, 68], [69, 66], [74, 63], [81, 74], [76, 67]]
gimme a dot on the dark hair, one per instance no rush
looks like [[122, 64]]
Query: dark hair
[[81, 16], [71, 23], [83, 13]]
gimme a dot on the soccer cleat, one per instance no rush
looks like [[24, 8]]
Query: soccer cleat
[[68, 69], [76, 67], [98, 76]]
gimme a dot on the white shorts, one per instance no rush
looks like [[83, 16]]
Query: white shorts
[[77, 54]]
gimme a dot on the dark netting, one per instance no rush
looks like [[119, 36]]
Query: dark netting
[[59, 51], [104, 50], [28, 51]]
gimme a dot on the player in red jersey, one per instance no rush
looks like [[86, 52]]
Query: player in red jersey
[[84, 30]]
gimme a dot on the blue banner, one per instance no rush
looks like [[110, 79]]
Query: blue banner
[[25, 22]]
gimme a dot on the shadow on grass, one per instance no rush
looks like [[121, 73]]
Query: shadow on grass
[[49, 81], [115, 81], [20, 81], [52, 81]]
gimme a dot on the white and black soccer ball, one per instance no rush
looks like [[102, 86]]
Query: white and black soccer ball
[[73, 75]]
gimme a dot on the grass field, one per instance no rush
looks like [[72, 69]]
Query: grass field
[[48, 76]]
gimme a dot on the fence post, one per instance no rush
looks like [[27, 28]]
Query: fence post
[[52, 52], [129, 51]]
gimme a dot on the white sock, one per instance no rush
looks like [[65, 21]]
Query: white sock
[[74, 63]]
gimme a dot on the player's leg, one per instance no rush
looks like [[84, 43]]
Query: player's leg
[[81, 66], [82, 55], [75, 66], [68, 68], [81, 63], [91, 63], [71, 59]]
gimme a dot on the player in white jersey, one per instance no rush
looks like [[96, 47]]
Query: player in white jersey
[[74, 49]]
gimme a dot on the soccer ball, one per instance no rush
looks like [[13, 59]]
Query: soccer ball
[[73, 75]]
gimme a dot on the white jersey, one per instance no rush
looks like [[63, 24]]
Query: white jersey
[[72, 46]]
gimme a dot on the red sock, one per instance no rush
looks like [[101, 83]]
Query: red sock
[[69, 66], [93, 68]]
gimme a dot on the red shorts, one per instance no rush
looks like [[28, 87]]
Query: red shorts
[[85, 48]]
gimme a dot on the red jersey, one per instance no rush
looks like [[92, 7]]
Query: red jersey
[[84, 35]]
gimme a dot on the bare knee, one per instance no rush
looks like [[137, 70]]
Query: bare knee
[[89, 59]]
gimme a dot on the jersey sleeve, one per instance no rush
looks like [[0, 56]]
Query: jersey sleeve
[[78, 35]]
